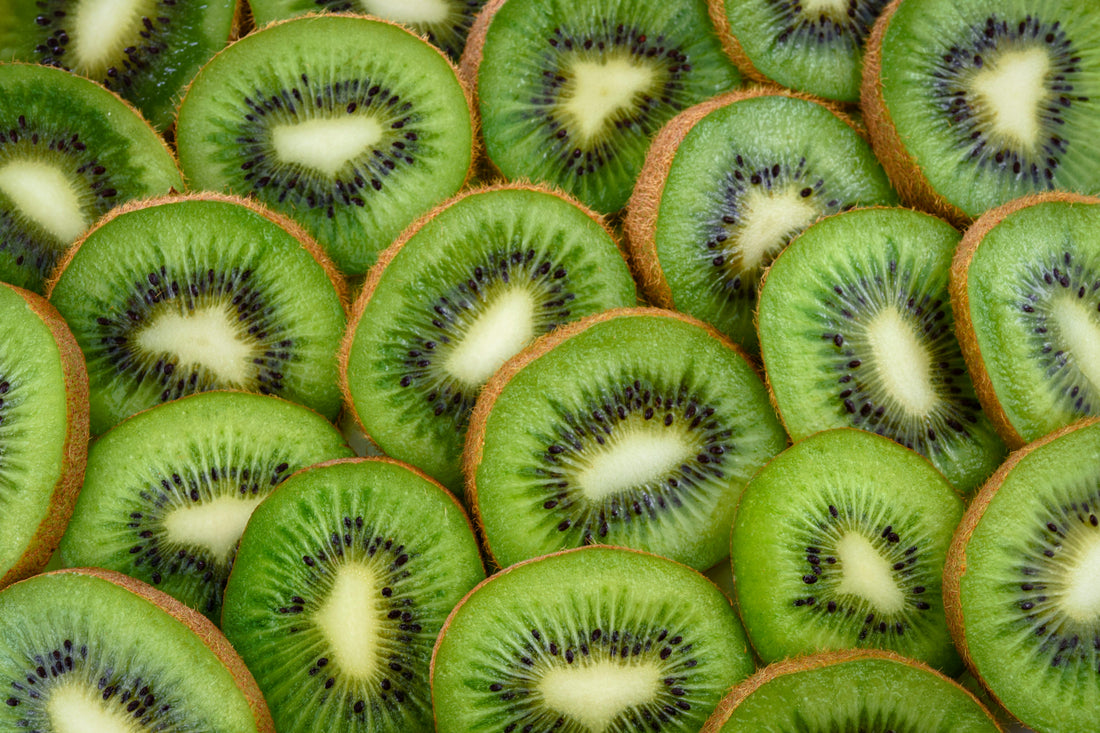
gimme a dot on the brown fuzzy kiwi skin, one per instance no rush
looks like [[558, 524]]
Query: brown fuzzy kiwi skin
[[818, 661], [74, 451], [956, 565], [640, 223], [733, 48], [468, 65], [908, 177], [960, 302], [199, 625], [475, 435]]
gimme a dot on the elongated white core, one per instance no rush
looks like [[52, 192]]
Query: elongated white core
[[867, 574], [215, 525], [1080, 335], [499, 332], [408, 11], [600, 89], [101, 29], [326, 144], [769, 221], [1081, 598], [1011, 89], [902, 362], [833, 8], [206, 337], [74, 708], [594, 694], [349, 620], [43, 194], [637, 453]]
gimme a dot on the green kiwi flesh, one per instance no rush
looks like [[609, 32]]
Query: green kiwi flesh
[[351, 125], [1025, 562], [637, 428], [343, 580], [176, 296], [594, 639], [570, 94], [69, 152], [856, 329], [168, 491], [146, 51], [108, 659], [464, 291], [839, 542]]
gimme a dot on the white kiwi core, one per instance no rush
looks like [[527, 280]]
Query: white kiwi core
[[326, 144], [594, 694], [208, 337], [349, 620], [73, 708], [1011, 89], [638, 453], [499, 332], [43, 194], [902, 362], [867, 574], [769, 220], [102, 29], [215, 525], [831, 8], [1080, 336], [599, 90], [408, 11]]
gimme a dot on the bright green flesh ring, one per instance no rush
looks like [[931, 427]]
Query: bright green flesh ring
[[856, 330], [343, 580]]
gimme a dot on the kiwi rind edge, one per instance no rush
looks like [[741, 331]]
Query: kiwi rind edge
[[733, 48]]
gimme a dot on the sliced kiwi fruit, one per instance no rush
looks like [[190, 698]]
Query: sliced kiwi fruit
[[43, 430], [352, 125], [588, 640], [571, 94], [445, 23], [144, 50], [69, 152], [1025, 287], [727, 184], [972, 103], [117, 655], [462, 290], [177, 295], [813, 46], [856, 329], [635, 427], [850, 690], [168, 491], [840, 542], [343, 580]]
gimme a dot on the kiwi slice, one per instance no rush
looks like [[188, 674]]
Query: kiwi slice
[[814, 46], [178, 295], [343, 580], [593, 639], [972, 103], [461, 291], [850, 690], [168, 491], [1025, 285], [840, 542], [69, 152], [1020, 582], [571, 94], [635, 427], [117, 655], [145, 50], [727, 184], [856, 330], [351, 125], [43, 430]]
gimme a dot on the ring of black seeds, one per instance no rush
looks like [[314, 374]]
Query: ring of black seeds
[[451, 38], [847, 29]]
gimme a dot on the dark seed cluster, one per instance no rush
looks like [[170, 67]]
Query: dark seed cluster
[[7, 400], [449, 35], [846, 29]]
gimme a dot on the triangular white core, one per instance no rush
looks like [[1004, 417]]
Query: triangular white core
[[349, 620], [769, 221], [595, 693], [43, 194], [1010, 90], [73, 708], [326, 145], [215, 525], [1081, 599], [867, 574], [601, 89], [101, 29], [207, 337]]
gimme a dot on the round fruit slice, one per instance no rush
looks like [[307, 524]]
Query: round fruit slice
[[1020, 585], [856, 330], [571, 94], [117, 655], [351, 125], [851, 690], [839, 542], [460, 292], [168, 492], [343, 580], [595, 639], [1025, 286], [972, 103], [69, 152], [43, 430], [635, 427], [726, 185], [173, 296]]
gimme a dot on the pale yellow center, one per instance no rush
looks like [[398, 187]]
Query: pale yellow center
[[637, 453], [832, 8], [902, 362], [1011, 90], [498, 333], [594, 694], [215, 525], [1080, 336], [101, 29], [867, 574], [599, 90], [349, 621], [73, 708], [408, 11], [326, 144], [1081, 599], [43, 194], [207, 337], [769, 221]]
